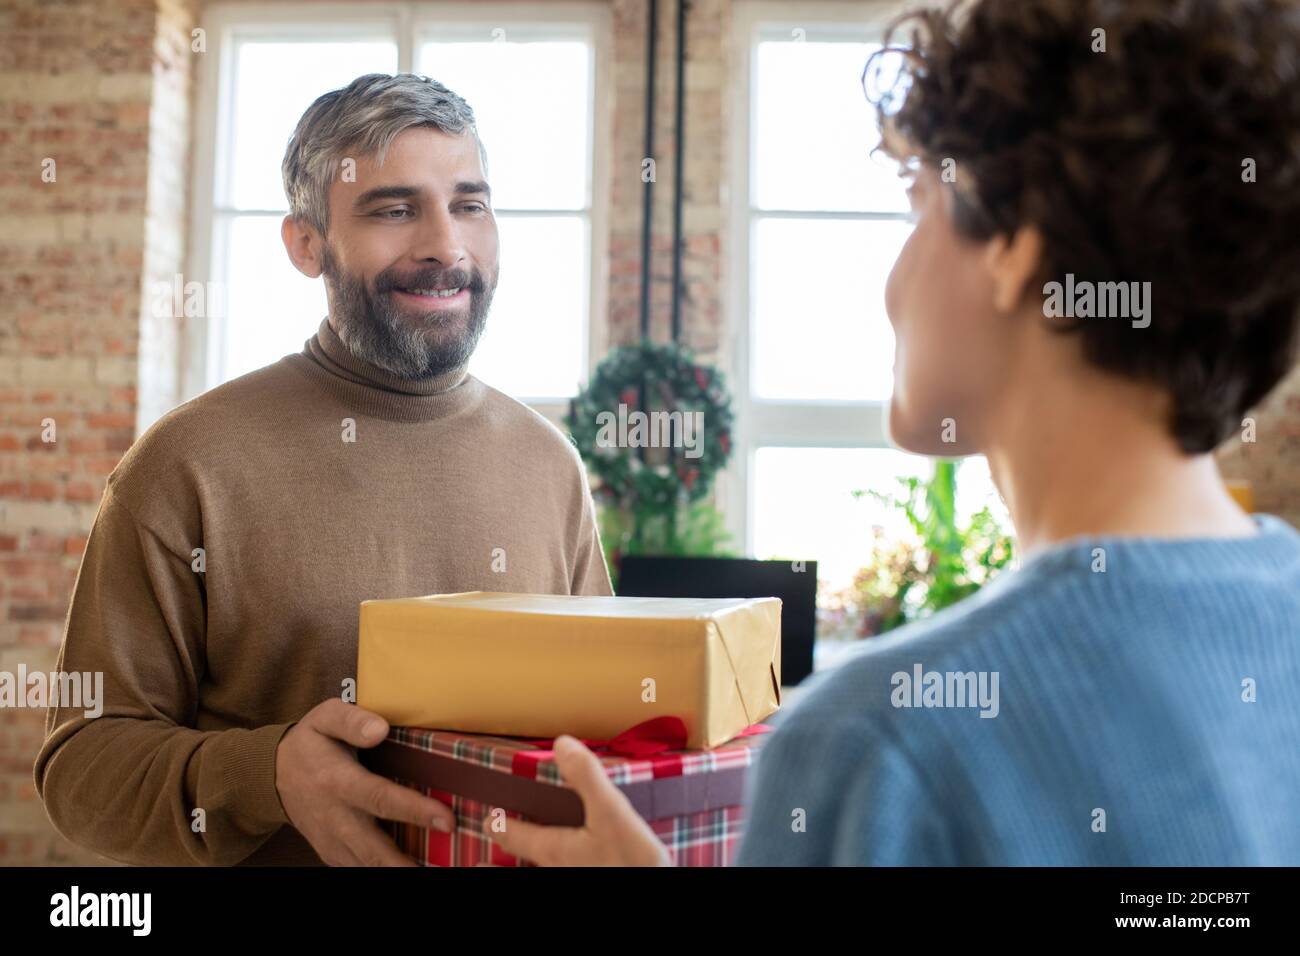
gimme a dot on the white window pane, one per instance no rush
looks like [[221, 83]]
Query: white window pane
[[530, 101], [814, 131], [804, 506], [975, 490], [533, 344], [272, 308], [823, 333], [274, 85]]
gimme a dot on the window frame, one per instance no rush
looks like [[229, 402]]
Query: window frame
[[787, 423], [407, 24]]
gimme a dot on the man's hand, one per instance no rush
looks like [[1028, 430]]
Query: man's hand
[[333, 801], [613, 834]]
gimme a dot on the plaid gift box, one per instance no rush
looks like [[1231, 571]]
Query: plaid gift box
[[690, 798]]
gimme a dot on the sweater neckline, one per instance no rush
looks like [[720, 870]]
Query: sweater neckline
[[1274, 545], [376, 392]]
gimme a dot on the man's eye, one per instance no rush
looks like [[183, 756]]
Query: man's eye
[[400, 213], [474, 207]]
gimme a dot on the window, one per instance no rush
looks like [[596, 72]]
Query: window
[[264, 68], [818, 224], [539, 147]]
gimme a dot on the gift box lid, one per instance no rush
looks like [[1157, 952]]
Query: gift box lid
[[521, 775], [579, 605], [541, 664]]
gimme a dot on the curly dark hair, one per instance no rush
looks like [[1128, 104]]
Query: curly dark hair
[[1133, 164]]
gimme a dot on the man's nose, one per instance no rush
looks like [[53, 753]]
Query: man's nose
[[438, 240]]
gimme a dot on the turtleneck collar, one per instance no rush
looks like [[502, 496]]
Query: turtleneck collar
[[377, 392]]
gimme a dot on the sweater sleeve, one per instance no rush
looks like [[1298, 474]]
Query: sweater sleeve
[[127, 782], [590, 575], [839, 793]]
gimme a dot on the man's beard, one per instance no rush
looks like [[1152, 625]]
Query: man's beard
[[412, 346]]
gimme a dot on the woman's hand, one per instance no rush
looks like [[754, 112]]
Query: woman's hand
[[613, 833]]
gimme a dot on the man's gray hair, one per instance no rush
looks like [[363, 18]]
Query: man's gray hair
[[363, 119]]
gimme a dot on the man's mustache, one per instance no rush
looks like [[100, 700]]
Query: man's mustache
[[388, 280]]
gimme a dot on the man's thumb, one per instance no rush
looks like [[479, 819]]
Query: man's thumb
[[349, 723]]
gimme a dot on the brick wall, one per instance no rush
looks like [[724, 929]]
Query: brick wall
[[702, 218], [103, 87]]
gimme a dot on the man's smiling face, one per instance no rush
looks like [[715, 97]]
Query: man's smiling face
[[410, 257]]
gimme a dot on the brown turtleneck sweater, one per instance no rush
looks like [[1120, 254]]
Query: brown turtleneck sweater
[[205, 671]]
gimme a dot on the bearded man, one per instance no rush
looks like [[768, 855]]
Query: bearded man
[[219, 590]]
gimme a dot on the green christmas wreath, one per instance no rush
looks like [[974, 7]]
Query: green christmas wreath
[[624, 443]]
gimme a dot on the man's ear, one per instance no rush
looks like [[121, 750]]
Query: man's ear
[[304, 245], [1013, 265]]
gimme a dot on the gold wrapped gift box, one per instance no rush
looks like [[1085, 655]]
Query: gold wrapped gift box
[[540, 665]]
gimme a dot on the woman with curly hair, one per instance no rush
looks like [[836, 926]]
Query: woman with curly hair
[[1104, 276]]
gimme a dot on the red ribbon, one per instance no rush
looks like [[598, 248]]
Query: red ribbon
[[659, 735]]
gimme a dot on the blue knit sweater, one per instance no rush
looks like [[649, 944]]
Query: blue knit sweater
[[1144, 714]]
